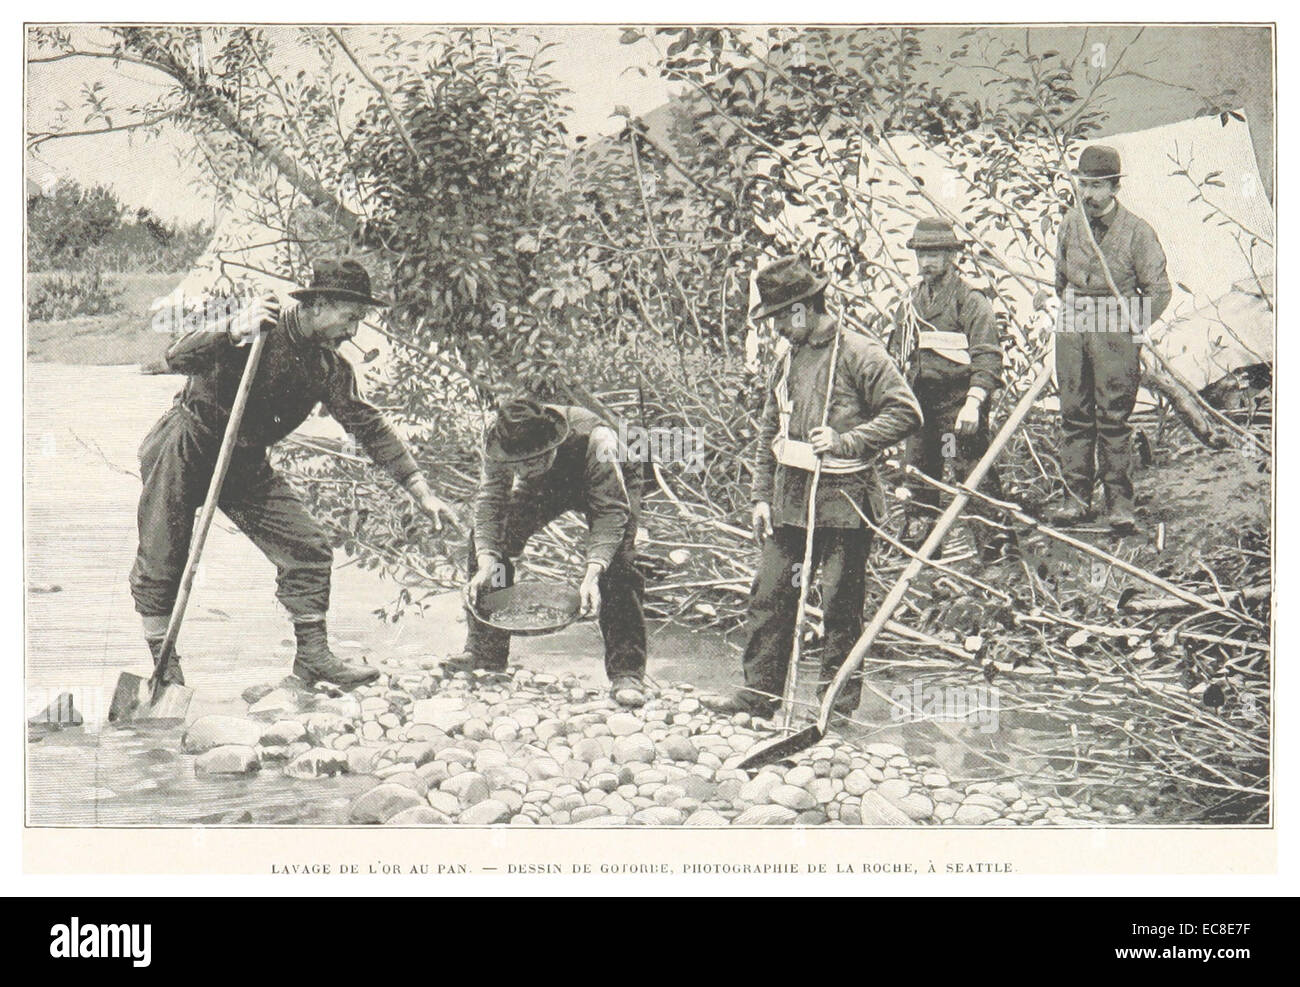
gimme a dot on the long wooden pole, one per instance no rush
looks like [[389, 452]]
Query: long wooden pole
[[805, 574], [200, 534], [931, 545], [967, 490]]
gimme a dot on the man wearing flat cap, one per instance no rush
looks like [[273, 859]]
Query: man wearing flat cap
[[1098, 364], [540, 461], [871, 409], [300, 368], [948, 344]]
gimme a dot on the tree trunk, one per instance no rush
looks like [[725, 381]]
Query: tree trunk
[[1184, 404], [216, 104]]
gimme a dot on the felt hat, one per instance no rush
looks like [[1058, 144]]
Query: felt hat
[[339, 279], [1098, 162], [933, 233], [524, 429], [783, 283]]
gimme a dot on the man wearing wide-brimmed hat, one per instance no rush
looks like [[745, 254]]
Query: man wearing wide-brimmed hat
[[871, 408], [1098, 364], [947, 342], [300, 368], [540, 461]]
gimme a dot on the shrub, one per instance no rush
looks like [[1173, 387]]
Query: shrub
[[67, 295]]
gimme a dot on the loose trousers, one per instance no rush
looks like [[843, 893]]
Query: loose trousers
[[938, 442], [1098, 374], [622, 593], [176, 464], [841, 554]]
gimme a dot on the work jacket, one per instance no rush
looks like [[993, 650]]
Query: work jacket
[[586, 477], [871, 409], [957, 338], [293, 377], [1133, 254]]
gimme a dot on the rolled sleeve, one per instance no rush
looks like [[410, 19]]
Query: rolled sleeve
[[1062, 239], [1150, 267], [494, 483], [984, 344], [764, 462], [199, 349]]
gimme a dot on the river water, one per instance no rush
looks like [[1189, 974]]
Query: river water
[[83, 425]]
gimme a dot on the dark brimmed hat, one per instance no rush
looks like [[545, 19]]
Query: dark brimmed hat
[[783, 283], [933, 233], [339, 279], [1098, 162], [523, 430]]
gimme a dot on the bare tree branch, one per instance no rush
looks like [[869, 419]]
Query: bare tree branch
[[383, 94], [36, 139]]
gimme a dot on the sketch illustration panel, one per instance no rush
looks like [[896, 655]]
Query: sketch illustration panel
[[595, 426]]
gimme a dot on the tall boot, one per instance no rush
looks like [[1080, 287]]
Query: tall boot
[[315, 662], [172, 674], [155, 631]]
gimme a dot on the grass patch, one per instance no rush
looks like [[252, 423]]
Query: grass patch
[[122, 336]]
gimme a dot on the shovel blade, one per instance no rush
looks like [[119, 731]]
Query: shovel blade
[[133, 701], [772, 751]]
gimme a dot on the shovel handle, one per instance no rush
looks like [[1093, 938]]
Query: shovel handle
[[810, 529], [200, 535], [932, 543]]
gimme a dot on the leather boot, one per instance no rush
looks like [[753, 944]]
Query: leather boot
[[1122, 517], [1069, 513], [629, 691], [172, 674], [742, 700], [315, 662], [467, 661]]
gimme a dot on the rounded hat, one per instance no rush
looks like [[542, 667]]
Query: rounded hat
[[524, 429], [783, 283], [339, 279], [934, 233], [1097, 161]]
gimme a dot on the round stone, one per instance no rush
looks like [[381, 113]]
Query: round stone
[[625, 724], [635, 747], [767, 815], [469, 787], [799, 776], [971, 814], [487, 812], [792, 797], [659, 815], [857, 782]]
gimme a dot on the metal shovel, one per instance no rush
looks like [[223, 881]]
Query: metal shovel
[[781, 748], [136, 698]]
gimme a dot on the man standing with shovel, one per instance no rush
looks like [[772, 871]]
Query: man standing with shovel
[[299, 367], [836, 397]]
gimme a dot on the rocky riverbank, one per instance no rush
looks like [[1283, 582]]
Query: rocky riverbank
[[535, 749]]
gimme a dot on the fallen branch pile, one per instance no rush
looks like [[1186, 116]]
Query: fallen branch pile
[[1126, 679]]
